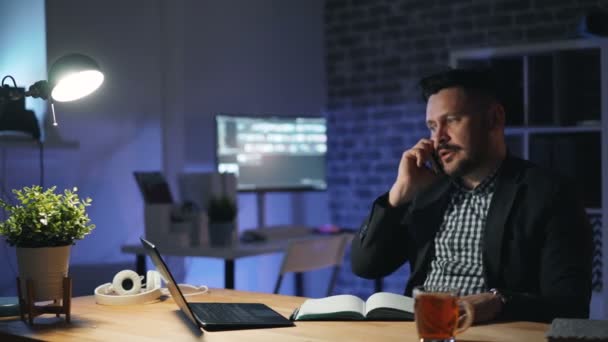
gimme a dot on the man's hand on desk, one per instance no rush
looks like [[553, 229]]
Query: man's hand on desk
[[486, 306]]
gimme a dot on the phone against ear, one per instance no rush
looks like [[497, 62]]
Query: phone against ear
[[436, 164]]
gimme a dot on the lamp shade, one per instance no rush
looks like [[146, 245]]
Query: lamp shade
[[74, 76]]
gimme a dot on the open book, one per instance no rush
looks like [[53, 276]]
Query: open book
[[381, 306]]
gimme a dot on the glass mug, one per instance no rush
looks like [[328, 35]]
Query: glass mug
[[438, 315]]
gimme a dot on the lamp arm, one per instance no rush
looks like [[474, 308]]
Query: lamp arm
[[39, 89]]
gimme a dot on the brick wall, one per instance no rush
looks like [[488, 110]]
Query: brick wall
[[375, 53]]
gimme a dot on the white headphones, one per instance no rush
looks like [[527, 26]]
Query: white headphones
[[126, 288]]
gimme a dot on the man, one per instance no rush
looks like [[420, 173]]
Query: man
[[508, 234]]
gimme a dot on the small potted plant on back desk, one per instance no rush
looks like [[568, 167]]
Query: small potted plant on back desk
[[221, 212], [43, 226]]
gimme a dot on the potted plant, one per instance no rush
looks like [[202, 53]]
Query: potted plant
[[43, 226], [221, 213]]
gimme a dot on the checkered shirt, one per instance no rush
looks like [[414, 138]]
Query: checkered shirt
[[458, 244]]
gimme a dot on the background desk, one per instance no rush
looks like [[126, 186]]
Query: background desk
[[163, 321], [277, 241]]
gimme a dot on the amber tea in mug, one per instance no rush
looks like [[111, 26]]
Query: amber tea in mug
[[437, 313]]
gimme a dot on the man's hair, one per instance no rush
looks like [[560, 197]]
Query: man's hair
[[476, 81]]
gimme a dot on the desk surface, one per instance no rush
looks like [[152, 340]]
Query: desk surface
[[164, 321]]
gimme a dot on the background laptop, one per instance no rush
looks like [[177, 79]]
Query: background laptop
[[217, 316]]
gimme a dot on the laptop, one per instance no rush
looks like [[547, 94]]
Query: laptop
[[217, 316]]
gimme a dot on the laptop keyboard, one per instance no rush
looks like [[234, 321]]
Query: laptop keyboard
[[221, 313]]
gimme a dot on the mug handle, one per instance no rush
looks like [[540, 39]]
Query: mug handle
[[465, 320]]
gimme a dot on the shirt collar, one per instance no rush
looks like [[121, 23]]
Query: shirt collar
[[486, 185]]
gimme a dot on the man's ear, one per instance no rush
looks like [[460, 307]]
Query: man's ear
[[496, 117]]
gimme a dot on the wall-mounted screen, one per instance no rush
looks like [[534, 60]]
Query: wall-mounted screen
[[272, 153]]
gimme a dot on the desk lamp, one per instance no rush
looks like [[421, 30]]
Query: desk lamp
[[71, 77]]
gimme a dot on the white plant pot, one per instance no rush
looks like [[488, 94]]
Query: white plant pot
[[46, 267]]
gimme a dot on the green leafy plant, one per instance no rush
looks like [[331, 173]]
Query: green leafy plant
[[43, 218], [221, 209]]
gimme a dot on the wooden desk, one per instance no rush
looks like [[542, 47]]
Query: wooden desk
[[164, 321], [277, 241]]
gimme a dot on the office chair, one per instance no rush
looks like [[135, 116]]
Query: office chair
[[305, 255]]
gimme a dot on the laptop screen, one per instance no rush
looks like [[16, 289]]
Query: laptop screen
[[161, 267]]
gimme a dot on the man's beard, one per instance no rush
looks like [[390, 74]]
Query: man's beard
[[467, 164], [464, 166]]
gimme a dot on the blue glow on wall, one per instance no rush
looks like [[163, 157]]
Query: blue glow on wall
[[23, 42]]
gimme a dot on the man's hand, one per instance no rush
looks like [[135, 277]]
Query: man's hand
[[486, 306], [413, 176]]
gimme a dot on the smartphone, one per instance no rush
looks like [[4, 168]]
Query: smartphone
[[436, 164]]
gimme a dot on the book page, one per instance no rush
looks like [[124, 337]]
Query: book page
[[340, 306], [387, 300]]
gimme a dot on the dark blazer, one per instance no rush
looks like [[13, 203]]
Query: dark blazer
[[537, 242]]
